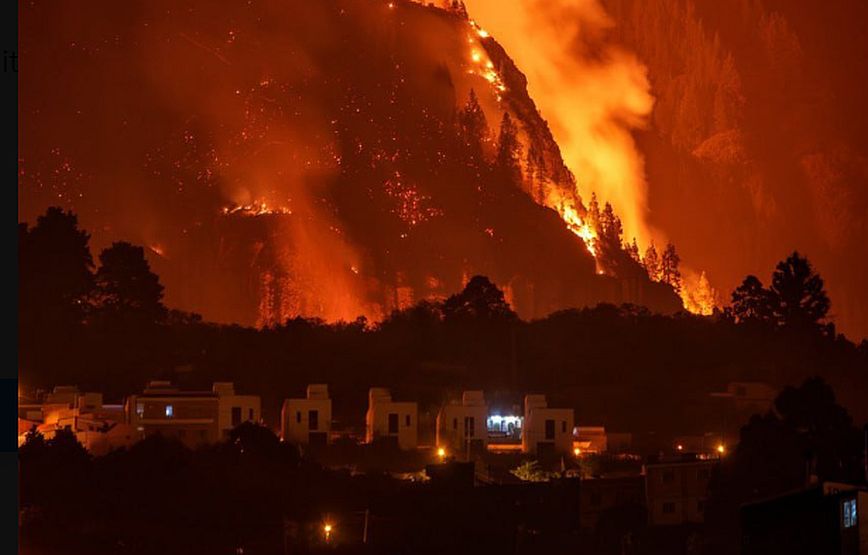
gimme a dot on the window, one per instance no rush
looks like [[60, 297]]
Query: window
[[668, 477], [563, 426], [850, 517], [668, 508], [393, 423], [236, 416], [313, 420], [170, 411], [469, 424], [250, 415], [298, 417], [550, 429], [454, 423], [407, 420]]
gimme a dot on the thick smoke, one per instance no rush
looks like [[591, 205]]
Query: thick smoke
[[593, 94]]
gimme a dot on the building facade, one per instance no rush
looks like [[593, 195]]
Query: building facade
[[461, 429], [676, 489], [233, 409], [308, 420], [391, 421], [189, 416], [546, 430]]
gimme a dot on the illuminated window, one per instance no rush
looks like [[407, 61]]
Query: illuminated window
[[850, 516], [170, 411]]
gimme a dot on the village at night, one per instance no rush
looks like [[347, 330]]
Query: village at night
[[442, 277]]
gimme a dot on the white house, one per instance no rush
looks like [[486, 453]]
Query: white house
[[391, 420], [307, 420], [234, 409], [461, 429], [546, 430]]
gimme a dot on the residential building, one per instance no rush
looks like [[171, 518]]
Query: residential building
[[190, 416], [591, 439], [307, 420], [823, 518], [233, 409], [546, 430], [391, 421], [461, 429], [676, 488]]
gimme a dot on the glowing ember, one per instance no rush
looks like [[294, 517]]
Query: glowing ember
[[260, 208]]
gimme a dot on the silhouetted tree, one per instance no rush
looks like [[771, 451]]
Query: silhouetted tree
[[126, 286], [633, 251], [798, 298], [508, 150], [55, 270], [474, 129], [480, 299], [651, 260], [751, 301], [669, 272], [809, 436]]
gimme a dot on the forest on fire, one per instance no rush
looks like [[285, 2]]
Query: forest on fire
[[105, 327]]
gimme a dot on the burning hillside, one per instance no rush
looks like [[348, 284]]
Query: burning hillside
[[345, 159]]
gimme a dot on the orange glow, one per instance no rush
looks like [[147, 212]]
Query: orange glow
[[594, 97], [441, 453], [721, 449]]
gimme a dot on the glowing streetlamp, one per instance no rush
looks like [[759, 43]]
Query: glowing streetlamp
[[679, 447], [441, 453], [721, 449], [577, 452], [327, 531]]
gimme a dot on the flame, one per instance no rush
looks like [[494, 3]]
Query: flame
[[594, 94], [258, 208], [484, 67]]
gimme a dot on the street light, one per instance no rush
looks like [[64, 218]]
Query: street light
[[327, 531], [577, 452], [441, 453], [721, 449]]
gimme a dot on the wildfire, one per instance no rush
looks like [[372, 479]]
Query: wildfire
[[484, 67], [260, 208]]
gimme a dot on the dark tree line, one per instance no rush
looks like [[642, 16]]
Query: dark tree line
[[104, 326], [796, 299]]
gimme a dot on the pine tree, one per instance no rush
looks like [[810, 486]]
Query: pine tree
[[593, 214], [609, 245], [651, 260], [669, 272], [633, 250], [474, 128], [509, 150]]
